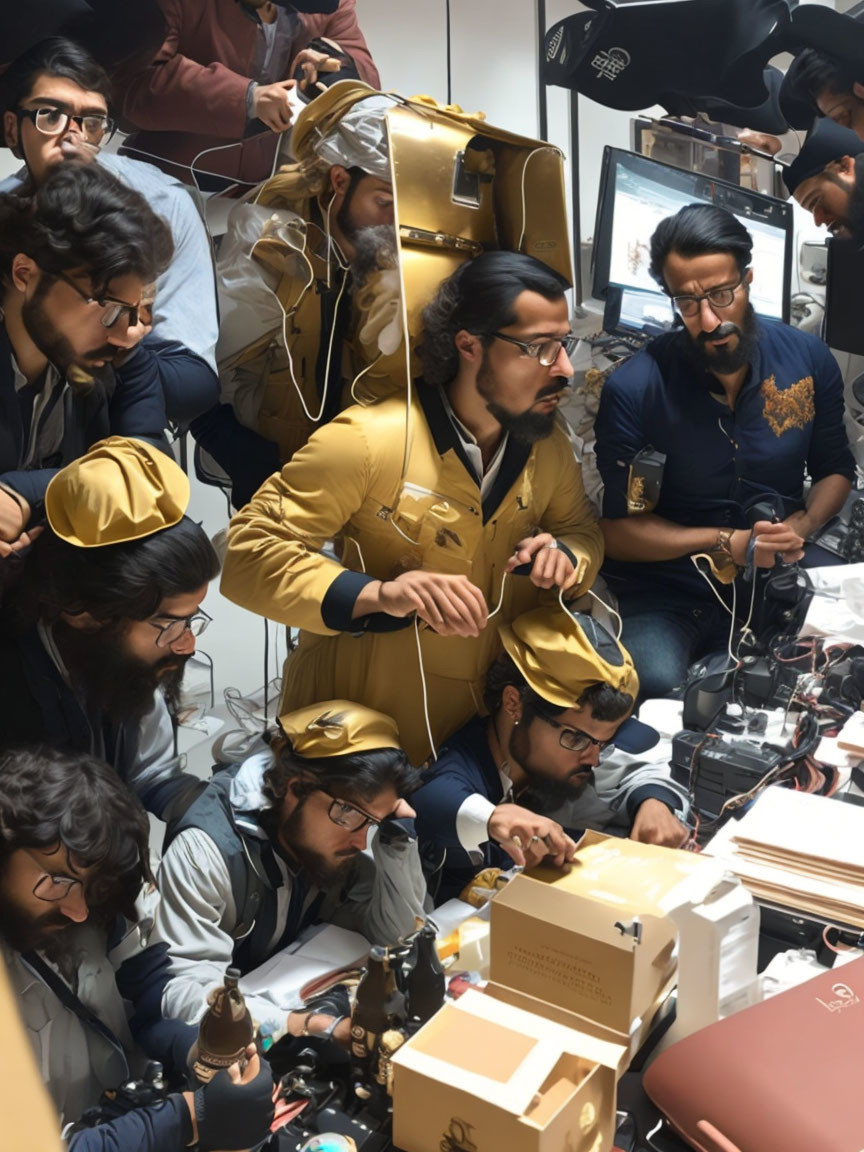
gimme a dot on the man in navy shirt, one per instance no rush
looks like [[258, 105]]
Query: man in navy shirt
[[504, 787], [743, 410]]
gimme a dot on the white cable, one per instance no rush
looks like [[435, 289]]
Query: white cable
[[608, 608], [533, 152], [360, 374], [497, 607], [423, 685], [731, 610]]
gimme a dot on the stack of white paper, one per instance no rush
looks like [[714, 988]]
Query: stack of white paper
[[800, 851]]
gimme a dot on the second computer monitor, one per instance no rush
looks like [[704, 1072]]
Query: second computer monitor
[[636, 193]]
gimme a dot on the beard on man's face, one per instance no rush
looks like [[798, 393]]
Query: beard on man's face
[[54, 347], [724, 360], [117, 682], [323, 871], [528, 426], [24, 933], [543, 792]]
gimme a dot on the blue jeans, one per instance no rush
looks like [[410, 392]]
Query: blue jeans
[[665, 638]]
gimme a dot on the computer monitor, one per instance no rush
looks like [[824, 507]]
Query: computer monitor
[[636, 193]]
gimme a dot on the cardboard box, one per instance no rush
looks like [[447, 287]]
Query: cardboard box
[[485, 1076], [582, 941]]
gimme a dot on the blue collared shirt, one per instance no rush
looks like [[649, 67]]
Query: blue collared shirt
[[787, 423]]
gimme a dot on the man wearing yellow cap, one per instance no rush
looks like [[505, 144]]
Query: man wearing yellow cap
[[504, 785], [433, 517], [99, 626], [317, 244], [276, 844]]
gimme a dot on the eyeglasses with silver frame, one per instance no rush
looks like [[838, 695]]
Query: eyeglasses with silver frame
[[171, 632], [545, 351]]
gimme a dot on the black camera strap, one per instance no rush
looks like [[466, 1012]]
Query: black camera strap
[[68, 998]]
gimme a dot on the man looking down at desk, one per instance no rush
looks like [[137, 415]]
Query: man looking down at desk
[[505, 784], [743, 410], [431, 517], [276, 844]]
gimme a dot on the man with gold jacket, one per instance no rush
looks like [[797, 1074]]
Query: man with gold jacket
[[431, 514], [308, 291]]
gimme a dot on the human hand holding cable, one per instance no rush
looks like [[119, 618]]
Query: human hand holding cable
[[550, 566], [312, 63], [769, 539], [451, 605], [271, 105], [528, 838]]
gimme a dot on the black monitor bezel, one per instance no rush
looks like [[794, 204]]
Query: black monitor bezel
[[729, 195]]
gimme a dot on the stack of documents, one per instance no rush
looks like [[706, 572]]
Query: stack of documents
[[799, 851]]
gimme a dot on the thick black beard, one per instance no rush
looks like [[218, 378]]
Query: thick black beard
[[323, 872], [21, 934], [117, 683], [528, 427], [54, 347], [546, 794], [723, 362]]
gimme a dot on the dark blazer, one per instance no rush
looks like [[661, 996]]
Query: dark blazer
[[123, 401]]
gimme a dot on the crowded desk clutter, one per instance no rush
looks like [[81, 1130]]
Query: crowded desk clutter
[[431, 576]]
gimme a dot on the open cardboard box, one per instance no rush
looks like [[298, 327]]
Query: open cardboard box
[[597, 945], [485, 1076]]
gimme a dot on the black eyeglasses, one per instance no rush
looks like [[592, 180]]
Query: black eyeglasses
[[112, 309], [546, 351], [348, 817], [170, 633], [574, 739], [94, 127], [50, 887], [718, 298]]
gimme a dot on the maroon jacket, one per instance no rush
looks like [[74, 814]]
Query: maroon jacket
[[193, 94]]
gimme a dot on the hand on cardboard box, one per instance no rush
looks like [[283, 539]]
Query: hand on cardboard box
[[528, 838], [655, 823]]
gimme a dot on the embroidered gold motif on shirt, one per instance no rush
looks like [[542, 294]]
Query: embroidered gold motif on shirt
[[786, 408]]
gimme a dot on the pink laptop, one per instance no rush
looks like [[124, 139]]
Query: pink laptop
[[784, 1076]]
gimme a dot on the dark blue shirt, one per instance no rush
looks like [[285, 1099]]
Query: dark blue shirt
[[787, 422]]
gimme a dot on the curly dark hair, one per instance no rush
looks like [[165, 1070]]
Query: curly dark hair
[[479, 297], [355, 779], [115, 583], [50, 798], [83, 218], [607, 704]]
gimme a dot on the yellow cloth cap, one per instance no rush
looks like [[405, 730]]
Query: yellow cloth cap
[[338, 728], [561, 654], [120, 490]]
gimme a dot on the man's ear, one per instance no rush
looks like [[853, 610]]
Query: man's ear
[[340, 178], [24, 271], [10, 132], [748, 276], [511, 702], [469, 346], [846, 167], [82, 621]]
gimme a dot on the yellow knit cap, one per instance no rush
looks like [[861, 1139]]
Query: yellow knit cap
[[561, 654], [120, 490], [338, 728]]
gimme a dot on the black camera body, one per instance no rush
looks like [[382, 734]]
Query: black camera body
[[716, 769]]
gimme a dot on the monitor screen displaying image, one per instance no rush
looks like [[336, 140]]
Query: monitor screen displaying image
[[636, 193]]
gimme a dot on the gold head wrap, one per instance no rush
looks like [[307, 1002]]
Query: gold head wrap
[[561, 654], [338, 728], [120, 490]]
